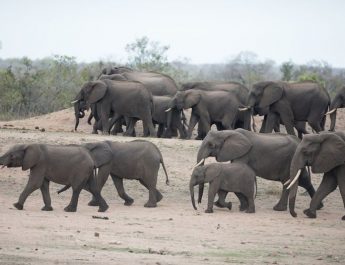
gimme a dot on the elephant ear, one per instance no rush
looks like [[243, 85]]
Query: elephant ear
[[331, 154], [191, 98], [32, 154], [271, 94], [212, 171], [100, 153], [95, 91], [234, 146]]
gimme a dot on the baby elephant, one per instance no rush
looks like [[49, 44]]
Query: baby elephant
[[235, 177], [68, 165]]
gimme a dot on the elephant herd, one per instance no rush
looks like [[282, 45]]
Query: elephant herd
[[121, 96]]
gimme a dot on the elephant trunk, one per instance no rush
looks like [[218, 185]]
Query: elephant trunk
[[296, 168], [336, 103], [191, 188], [79, 114]]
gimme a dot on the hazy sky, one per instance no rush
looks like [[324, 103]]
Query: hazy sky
[[203, 31]]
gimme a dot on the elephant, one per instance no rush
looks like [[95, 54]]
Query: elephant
[[337, 102], [237, 90], [291, 102], [324, 153], [159, 84], [230, 177], [167, 122], [137, 159], [268, 155], [123, 98], [66, 165], [208, 107]]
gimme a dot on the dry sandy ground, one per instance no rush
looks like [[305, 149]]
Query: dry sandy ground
[[172, 233]]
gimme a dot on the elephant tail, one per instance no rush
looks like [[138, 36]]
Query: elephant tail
[[165, 171], [63, 189]]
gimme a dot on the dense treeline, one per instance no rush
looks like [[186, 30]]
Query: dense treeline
[[30, 87]]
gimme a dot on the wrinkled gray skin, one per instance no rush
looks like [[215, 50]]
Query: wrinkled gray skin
[[268, 155], [66, 165], [123, 98], [238, 91], [208, 107], [167, 122], [337, 102], [223, 178], [159, 84], [291, 102], [324, 153], [138, 160]]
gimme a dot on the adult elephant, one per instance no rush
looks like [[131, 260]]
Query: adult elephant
[[337, 102], [137, 159], [159, 84], [238, 91], [168, 122], [208, 107], [291, 102], [67, 165], [268, 155], [123, 98], [325, 153]]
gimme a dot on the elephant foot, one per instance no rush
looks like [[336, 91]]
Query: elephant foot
[[93, 203], [18, 206], [280, 207], [47, 208], [159, 196], [219, 205], [343, 218], [209, 211], [150, 205], [310, 213], [243, 207], [320, 206], [250, 210], [198, 138], [129, 202], [103, 208], [70, 208], [94, 132]]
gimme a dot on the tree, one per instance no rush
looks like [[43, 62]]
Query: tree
[[144, 54], [287, 70]]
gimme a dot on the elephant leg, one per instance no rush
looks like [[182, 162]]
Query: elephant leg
[[33, 184], [286, 115], [181, 130], [160, 131], [221, 203], [304, 182], [205, 123], [315, 124], [327, 185], [96, 194], [251, 205], [147, 122], [282, 204], [212, 191], [118, 182], [272, 119], [243, 201], [341, 185], [105, 114], [72, 206], [192, 122], [154, 195], [130, 127], [102, 177], [46, 196]]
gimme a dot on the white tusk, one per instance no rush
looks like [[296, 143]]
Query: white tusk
[[202, 161], [295, 179], [330, 112], [287, 182], [169, 109], [243, 109], [75, 101]]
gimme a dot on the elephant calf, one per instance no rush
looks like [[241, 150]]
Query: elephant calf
[[222, 178], [68, 165]]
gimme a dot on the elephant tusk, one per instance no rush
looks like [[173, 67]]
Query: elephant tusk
[[330, 112], [200, 163], [74, 101], [295, 179], [169, 109], [287, 182], [243, 109]]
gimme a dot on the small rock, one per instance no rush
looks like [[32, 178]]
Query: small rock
[[36, 249], [96, 234], [43, 130], [170, 219], [218, 226], [17, 248], [37, 127], [78, 231]]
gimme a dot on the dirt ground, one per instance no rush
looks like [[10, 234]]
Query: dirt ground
[[172, 233]]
